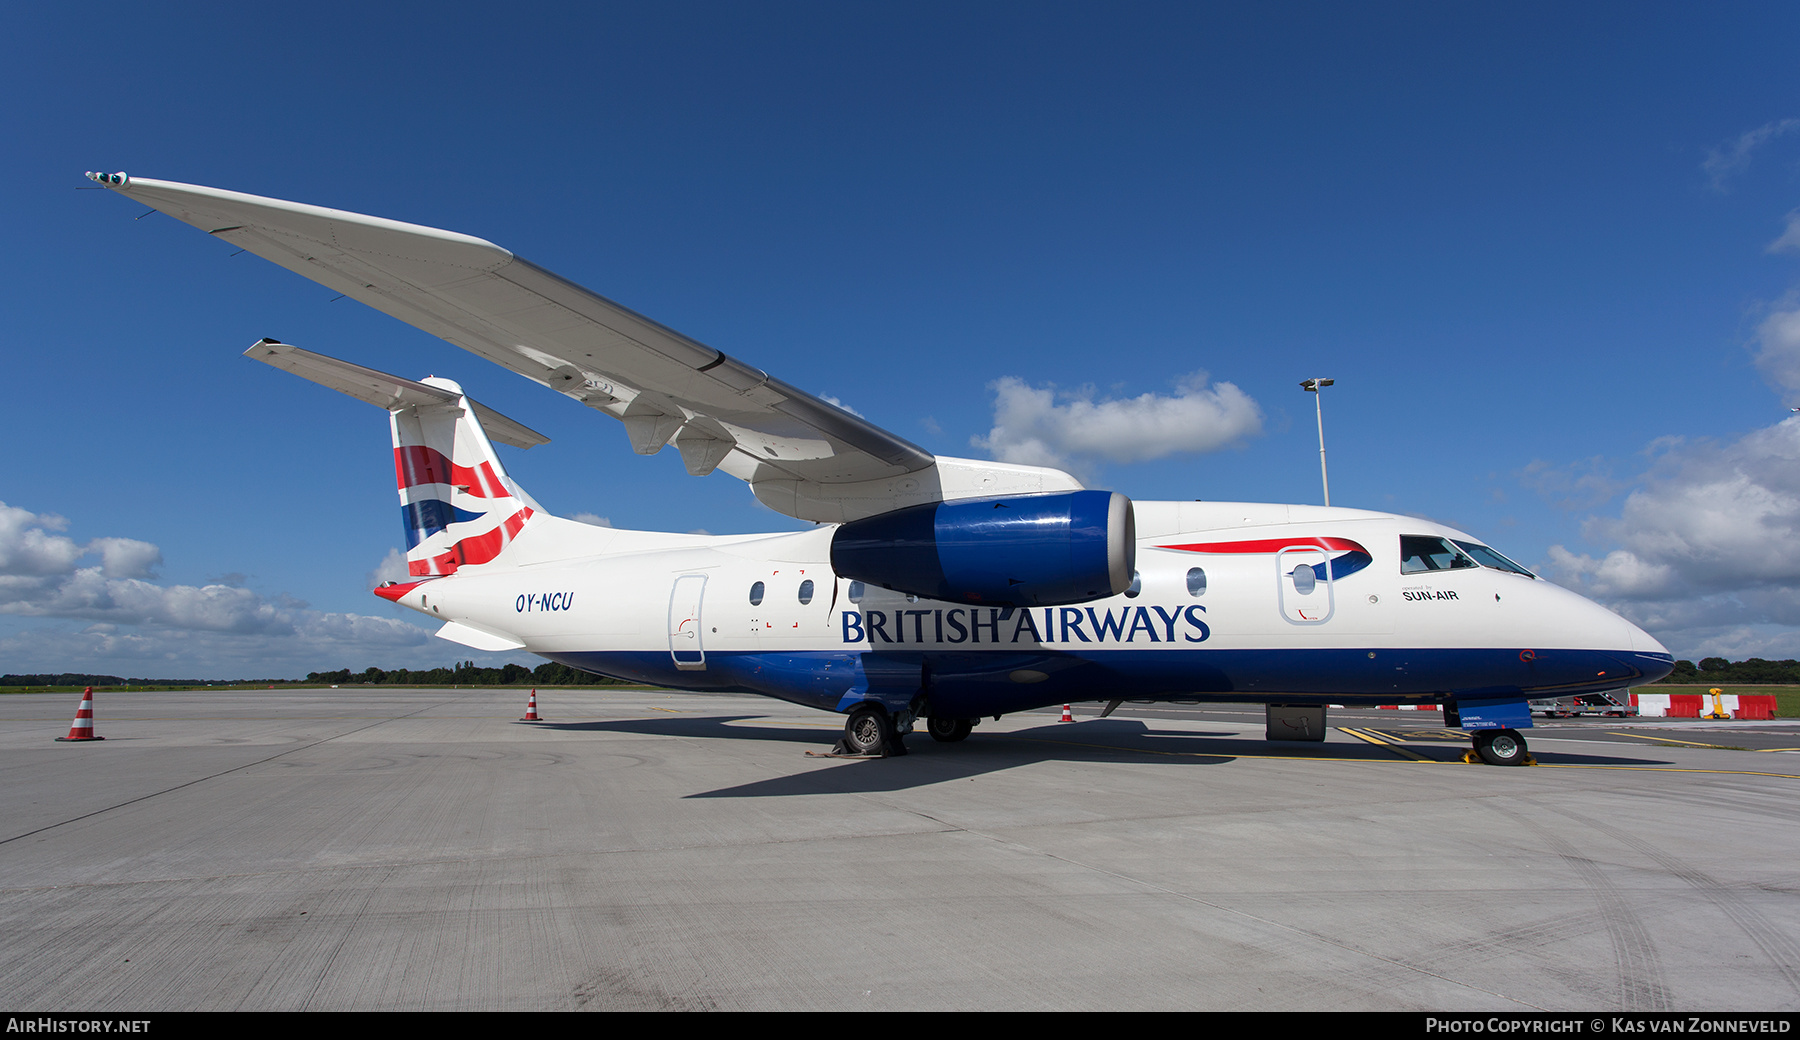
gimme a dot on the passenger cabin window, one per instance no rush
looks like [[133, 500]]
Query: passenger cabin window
[[756, 594], [856, 591], [1420, 553], [1137, 585], [1196, 581], [806, 591]]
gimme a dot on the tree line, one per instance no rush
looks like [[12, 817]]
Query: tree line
[[463, 674], [466, 674], [1713, 670]]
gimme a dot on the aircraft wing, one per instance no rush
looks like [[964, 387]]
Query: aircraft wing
[[800, 455]]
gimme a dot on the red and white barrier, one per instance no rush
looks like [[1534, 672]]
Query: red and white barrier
[[1694, 705]]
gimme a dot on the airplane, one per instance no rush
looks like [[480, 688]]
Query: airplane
[[933, 588]]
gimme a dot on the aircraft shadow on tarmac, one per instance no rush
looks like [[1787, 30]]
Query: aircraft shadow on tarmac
[[1096, 740], [1565, 758]]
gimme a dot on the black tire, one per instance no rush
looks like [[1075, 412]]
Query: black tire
[[867, 731], [1501, 747], [948, 731]]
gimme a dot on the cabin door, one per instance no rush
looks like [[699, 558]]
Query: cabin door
[[686, 645], [1303, 576]]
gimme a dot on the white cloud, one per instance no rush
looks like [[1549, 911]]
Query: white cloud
[[1726, 161], [27, 547], [1778, 348], [391, 568], [835, 403], [104, 616], [88, 594], [126, 557], [319, 642], [1708, 545], [1041, 427], [34, 558], [1789, 242], [592, 519], [1708, 550]]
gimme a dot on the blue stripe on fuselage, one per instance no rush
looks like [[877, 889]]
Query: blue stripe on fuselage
[[969, 684]]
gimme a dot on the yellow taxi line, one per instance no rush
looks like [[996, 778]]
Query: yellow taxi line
[[1389, 745]]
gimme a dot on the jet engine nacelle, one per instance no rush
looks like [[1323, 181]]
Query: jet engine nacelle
[[1014, 550]]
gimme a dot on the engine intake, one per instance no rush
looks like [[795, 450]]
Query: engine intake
[[1014, 550]]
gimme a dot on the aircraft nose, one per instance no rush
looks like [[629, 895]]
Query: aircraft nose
[[1602, 632], [1650, 656]]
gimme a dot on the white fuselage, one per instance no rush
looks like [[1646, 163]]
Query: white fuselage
[[1216, 612]]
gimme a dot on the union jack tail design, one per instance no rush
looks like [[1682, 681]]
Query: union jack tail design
[[458, 507]]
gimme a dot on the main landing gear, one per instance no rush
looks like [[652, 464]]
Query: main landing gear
[[1501, 747], [948, 731], [870, 731]]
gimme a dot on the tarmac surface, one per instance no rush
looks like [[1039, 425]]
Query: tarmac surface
[[422, 849]]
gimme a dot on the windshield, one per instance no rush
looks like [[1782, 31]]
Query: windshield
[[1489, 558]]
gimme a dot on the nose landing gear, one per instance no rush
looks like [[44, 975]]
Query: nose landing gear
[[1501, 747]]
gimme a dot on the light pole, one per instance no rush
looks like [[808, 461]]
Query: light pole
[[1314, 386]]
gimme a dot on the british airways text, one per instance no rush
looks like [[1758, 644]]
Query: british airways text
[[1035, 626]]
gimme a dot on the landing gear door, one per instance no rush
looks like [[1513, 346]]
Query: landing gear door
[[686, 645], [1303, 577]]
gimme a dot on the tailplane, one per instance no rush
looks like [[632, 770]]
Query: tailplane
[[458, 507]]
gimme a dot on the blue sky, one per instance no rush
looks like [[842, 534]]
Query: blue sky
[[1549, 254]]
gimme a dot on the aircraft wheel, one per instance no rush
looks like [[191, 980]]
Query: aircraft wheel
[[868, 731], [1501, 747], [949, 731]]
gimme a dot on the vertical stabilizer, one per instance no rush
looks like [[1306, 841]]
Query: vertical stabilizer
[[458, 508], [457, 505]]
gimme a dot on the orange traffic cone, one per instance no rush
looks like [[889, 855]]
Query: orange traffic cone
[[531, 714], [83, 726], [1068, 716]]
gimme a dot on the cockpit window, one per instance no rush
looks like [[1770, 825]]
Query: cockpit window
[[1489, 558], [1420, 553]]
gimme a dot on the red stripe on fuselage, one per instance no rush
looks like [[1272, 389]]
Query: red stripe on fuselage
[[1269, 545]]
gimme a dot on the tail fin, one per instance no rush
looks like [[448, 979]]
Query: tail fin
[[457, 505]]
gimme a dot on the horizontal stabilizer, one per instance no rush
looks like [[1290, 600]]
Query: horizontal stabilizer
[[477, 639], [385, 391]]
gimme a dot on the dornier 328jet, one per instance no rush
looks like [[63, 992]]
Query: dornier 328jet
[[934, 588]]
